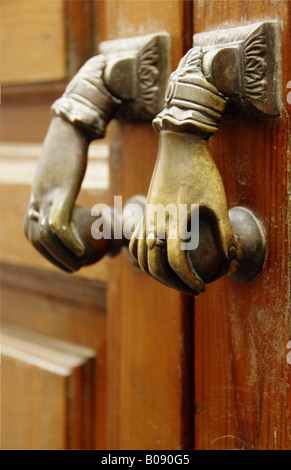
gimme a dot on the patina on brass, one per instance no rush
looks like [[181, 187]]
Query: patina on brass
[[185, 173], [244, 63], [240, 67], [100, 91], [235, 70]]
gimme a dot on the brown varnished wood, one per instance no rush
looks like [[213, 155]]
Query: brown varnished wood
[[149, 380], [33, 37], [60, 415], [242, 379], [83, 291], [18, 379], [34, 294], [45, 41], [80, 33], [77, 321], [16, 127]]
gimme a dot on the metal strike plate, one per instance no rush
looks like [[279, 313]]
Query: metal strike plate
[[244, 64], [137, 71]]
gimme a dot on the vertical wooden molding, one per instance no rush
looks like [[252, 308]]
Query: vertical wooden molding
[[80, 32], [149, 334]]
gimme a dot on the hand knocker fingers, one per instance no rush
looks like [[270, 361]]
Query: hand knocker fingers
[[142, 253], [159, 267], [31, 229], [51, 243], [180, 263], [59, 222], [133, 243]]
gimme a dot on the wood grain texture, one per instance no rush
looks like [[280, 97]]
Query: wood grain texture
[[242, 379], [34, 294], [78, 321], [33, 37], [46, 393], [149, 326], [80, 34], [82, 291]]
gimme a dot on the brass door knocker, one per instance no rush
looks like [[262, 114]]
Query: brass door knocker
[[237, 67], [233, 71], [126, 81]]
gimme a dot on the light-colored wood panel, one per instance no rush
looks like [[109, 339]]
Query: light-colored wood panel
[[33, 41], [20, 380], [18, 164], [34, 294], [47, 387], [44, 304]]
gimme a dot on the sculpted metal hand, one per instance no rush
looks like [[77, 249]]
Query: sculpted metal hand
[[239, 65], [186, 174], [57, 229], [127, 79]]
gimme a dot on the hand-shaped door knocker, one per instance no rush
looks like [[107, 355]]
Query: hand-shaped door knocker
[[235, 67], [126, 80], [235, 70]]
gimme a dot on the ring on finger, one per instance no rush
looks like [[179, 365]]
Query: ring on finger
[[33, 214], [152, 240]]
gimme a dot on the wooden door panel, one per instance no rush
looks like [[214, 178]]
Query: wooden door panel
[[33, 35], [44, 44], [242, 379], [44, 41], [47, 392], [73, 310]]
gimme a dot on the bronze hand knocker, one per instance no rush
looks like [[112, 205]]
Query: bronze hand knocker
[[186, 174], [239, 66], [127, 80], [53, 225]]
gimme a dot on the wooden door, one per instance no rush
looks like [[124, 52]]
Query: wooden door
[[53, 325], [242, 376], [150, 368]]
